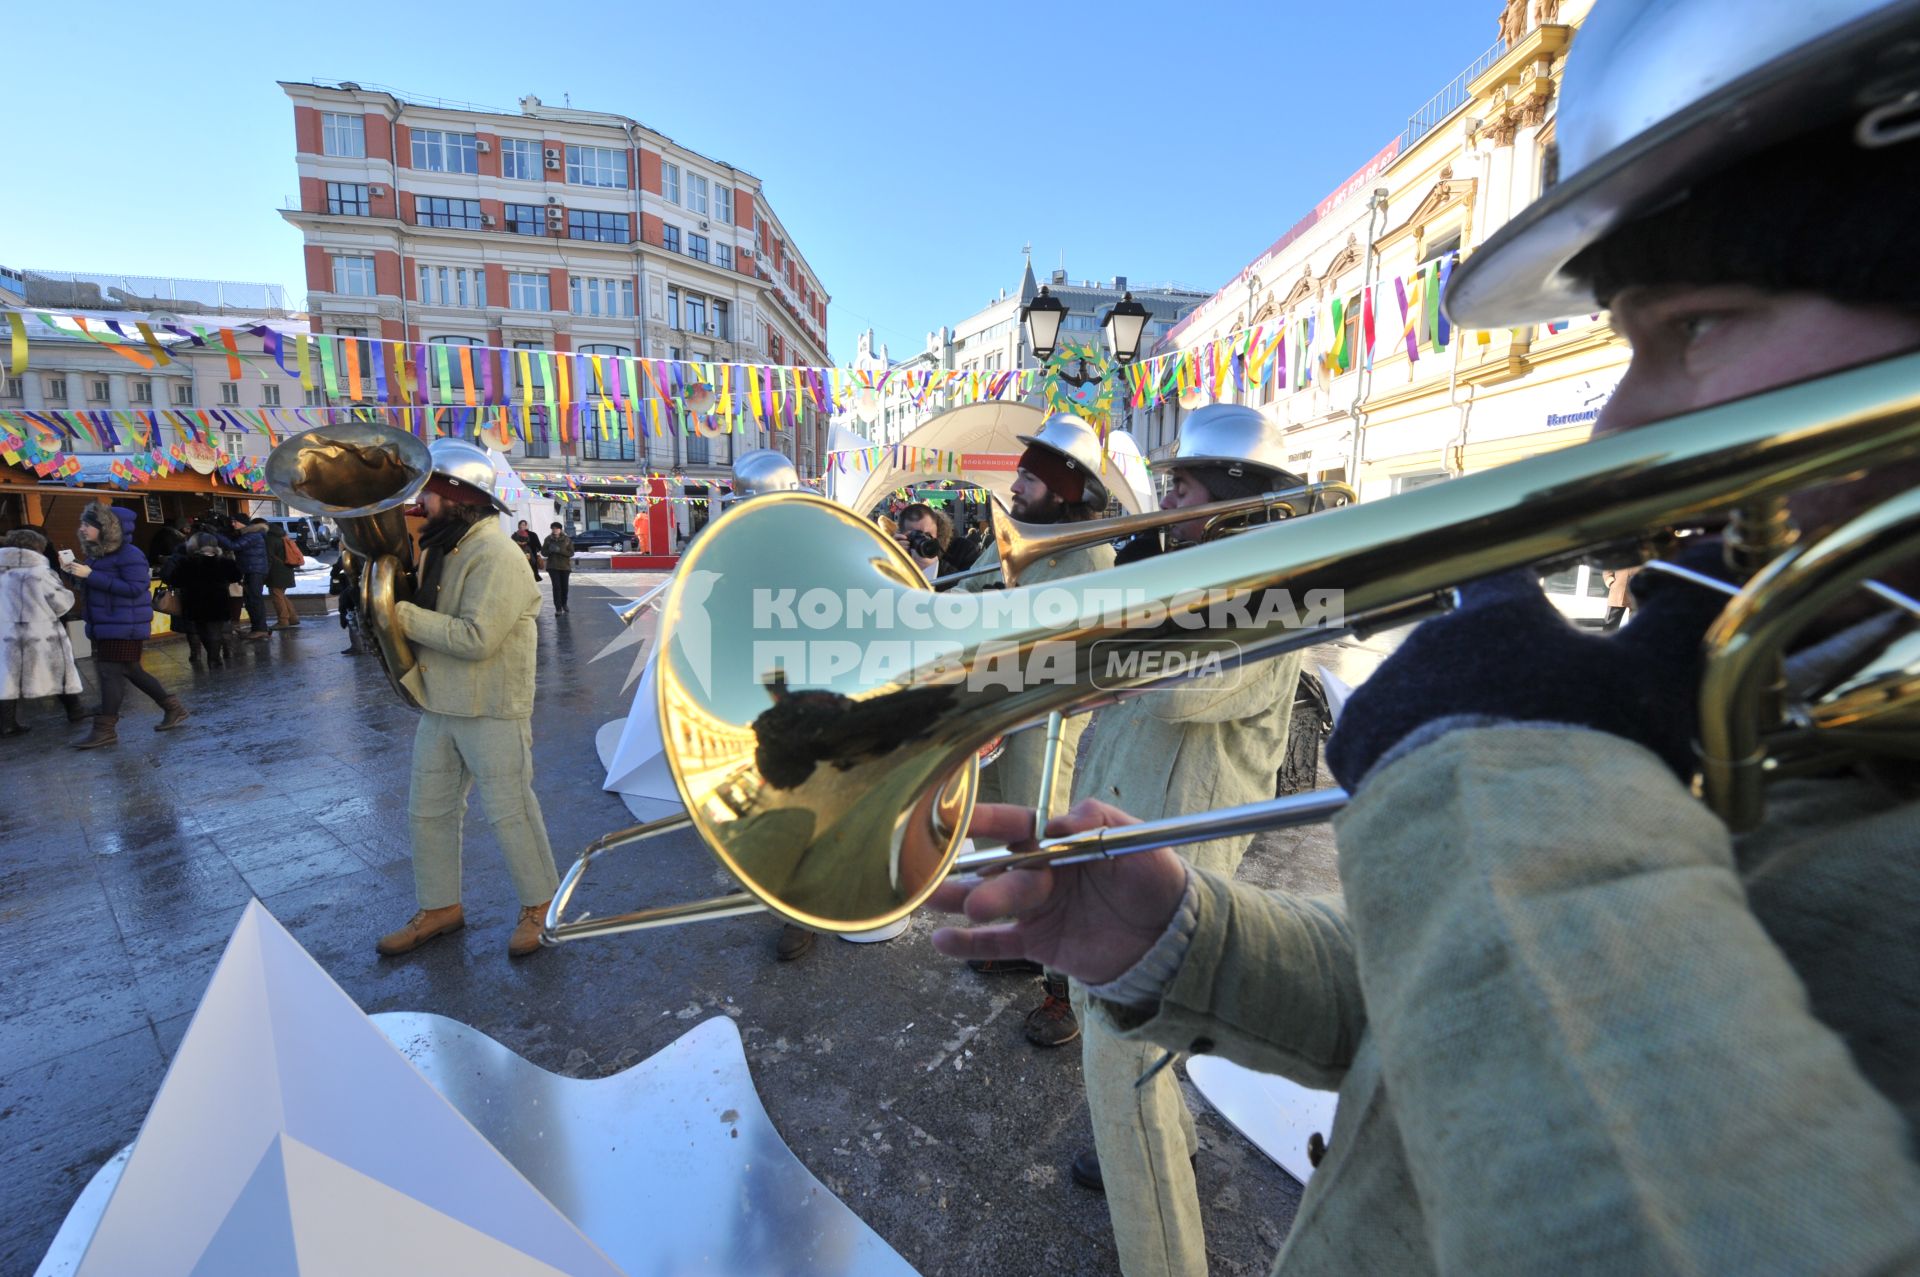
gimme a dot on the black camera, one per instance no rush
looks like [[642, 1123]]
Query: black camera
[[922, 545]]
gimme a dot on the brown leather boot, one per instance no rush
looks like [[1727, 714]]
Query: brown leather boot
[[1052, 1023], [526, 933], [176, 715], [105, 732], [425, 925]]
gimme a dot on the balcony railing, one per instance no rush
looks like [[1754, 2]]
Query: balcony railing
[[1449, 99]]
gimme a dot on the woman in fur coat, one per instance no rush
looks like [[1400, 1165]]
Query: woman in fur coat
[[36, 656]]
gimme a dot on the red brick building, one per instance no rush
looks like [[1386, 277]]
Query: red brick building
[[553, 229]]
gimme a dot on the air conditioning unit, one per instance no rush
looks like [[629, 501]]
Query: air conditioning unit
[[376, 191], [481, 145], [553, 162], [703, 226], [553, 199], [552, 152], [486, 219]]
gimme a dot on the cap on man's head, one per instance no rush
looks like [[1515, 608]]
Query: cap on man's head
[[1063, 478]]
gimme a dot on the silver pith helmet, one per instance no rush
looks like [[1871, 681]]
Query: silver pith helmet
[[1235, 437], [1077, 443], [469, 466], [1658, 94], [764, 470]]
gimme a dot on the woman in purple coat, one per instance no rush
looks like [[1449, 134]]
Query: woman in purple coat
[[117, 584]]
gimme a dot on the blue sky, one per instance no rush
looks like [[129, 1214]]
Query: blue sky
[[910, 149]]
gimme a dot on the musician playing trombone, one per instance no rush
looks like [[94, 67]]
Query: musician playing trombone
[[1212, 742], [1576, 1023], [1057, 481]]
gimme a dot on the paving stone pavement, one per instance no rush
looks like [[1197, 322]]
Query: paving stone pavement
[[899, 1077]]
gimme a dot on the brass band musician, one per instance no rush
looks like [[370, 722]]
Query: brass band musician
[[1575, 1022]]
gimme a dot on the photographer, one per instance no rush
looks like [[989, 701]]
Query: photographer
[[925, 534]]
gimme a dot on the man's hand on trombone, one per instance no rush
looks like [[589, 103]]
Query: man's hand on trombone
[[1091, 921]]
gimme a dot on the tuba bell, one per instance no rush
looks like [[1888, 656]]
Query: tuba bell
[[361, 474]]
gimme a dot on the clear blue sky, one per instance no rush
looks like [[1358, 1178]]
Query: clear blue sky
[[910, 149]]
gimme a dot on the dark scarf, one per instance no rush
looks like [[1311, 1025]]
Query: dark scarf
[[436, 543]]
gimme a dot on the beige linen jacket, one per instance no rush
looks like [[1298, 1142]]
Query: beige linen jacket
[[1572, 1033], [1213, 742], [476, 648], [1014, 777]]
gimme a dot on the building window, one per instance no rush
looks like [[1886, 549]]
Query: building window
[[16, 388], [520, 159], [670, 238], [353, 276], [453, 285], [529, 292], [98, 390], [591, 296], [723, 203], [229, 393], [438, 151], [596, 166], [697, 247], [618, 444], [316, 398], [270, 396], [343, 135], [723, 256], [57, 389], [183, 392], [696, 194], [670, 182], [1440, 249], [348, 199], [695, 314], [433, 210], [673, 310], [699, 450], [722, 321], [525, 219], [456, 378], [608, 228], [143, 391]]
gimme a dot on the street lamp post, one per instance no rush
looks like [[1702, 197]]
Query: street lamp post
[[1042, 317], [1125, 325]]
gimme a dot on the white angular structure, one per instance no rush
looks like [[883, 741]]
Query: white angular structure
[[289, 1136]]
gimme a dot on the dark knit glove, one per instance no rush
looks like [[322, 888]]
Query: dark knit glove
[[1505, 655]]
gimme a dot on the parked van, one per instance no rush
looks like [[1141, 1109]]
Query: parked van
[[311, 535]]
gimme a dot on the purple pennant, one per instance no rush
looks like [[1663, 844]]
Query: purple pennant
[[486, 379]]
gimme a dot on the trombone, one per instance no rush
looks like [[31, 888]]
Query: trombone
[[841, 802], [1019, 546]]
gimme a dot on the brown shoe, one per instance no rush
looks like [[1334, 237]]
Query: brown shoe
[[427, 924], [795, 942], [526, 932], [105, 732], [176, 715], [1052, 1023]]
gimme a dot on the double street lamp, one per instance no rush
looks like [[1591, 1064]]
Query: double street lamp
[[1124, 326]]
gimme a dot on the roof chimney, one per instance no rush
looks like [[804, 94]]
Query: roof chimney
[[1119, 283], [1060, 277]]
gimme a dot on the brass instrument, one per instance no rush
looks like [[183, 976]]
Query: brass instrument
[[1021, 545], [361, 474], [842, 804], [630, 612]]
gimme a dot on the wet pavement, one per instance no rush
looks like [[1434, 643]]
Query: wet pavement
[[900, 1078]]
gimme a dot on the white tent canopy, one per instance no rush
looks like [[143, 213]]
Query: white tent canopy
[[861, 478]]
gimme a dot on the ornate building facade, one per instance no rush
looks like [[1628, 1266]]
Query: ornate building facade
[[1417, 404]]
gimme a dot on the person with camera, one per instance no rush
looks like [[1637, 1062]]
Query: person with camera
[[924, 533], [1058, 481]]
